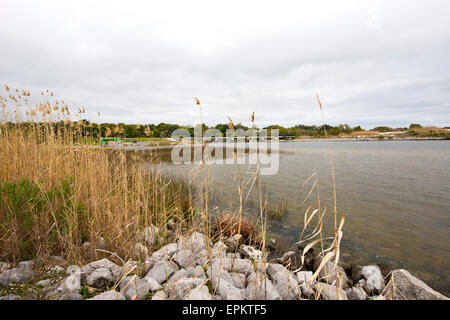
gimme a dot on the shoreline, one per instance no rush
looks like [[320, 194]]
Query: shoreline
[[183, 270]]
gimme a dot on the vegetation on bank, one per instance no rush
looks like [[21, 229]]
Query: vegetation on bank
[[154, 132]]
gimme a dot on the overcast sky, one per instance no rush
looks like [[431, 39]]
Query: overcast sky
[[371, 62]]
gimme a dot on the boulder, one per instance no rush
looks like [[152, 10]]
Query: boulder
[[404, 286], [330, 292], [140, 289], [185, 258], [160, 295], [287, 285], [356, 293], [16, 275], [354, 271], [166, 252], [126, 282], [44, 283], [201, 257], [238, 279], [243, 266], [109, 295], [259, 287], [197, 241], [183, 286], [162, 271], [114, 269], [228, 291], [332, 275], [199, 293], [70, 285], [217, 274], [250, 253], [274, 268], [196, 272], [100, 278], [233, 255], [374, 279]]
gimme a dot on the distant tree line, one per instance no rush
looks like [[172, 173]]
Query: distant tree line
[[163, 130]]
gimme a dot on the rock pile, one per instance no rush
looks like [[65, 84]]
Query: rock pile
[[192, 269]]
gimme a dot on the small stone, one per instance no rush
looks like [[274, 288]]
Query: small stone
[[199, 293], [356, 293], [26, 264], [103, 263], [109, 295], [162, 271], [184, 258], [197, 241], [238, 280], [374, 279], [184, 286], [141, 289], [100, 278], [229, 292], [274, 268], [126, 282], [287, 285], [160, 295], [71, 284], [251, 253], [196, 272], [44, 283]]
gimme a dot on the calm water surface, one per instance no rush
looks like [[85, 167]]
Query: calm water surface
[[395, 196]]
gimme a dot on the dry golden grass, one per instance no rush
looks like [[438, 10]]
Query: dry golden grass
[[105, 194], [228, 225], [365, 133]]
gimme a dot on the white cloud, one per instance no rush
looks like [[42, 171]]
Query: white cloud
[[371, 62]]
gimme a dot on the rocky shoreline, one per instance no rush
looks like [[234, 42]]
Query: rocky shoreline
[[189, 268]]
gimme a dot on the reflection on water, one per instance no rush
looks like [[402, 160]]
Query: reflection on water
[[394, 195]]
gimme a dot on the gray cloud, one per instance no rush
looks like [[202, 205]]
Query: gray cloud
[[143, 62]]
